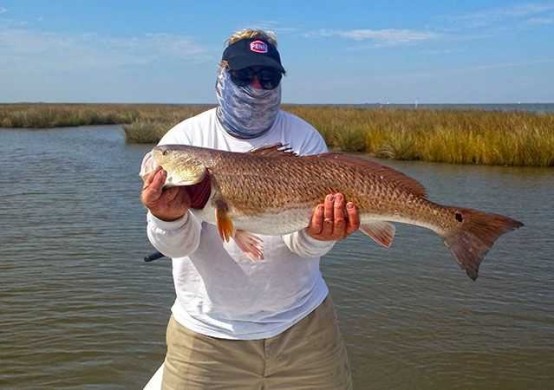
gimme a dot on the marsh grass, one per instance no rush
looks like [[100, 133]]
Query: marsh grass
[[440, 135], [153, 123], [144, 123], [63, 115]]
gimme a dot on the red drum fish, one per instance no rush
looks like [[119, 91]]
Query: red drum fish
[[272, 191]]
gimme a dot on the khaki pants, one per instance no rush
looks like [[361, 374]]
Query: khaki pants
[[309, 355]]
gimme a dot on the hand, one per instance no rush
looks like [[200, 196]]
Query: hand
[[166, 204], [334, 219]]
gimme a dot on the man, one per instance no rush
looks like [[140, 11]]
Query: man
[[236, 323]]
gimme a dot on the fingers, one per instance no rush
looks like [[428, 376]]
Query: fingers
[[153, 185], [183, 197], [353, 218], [339, 214], [334, 219], [328, 215], [316, 223], [148, 178], [167, 204], [171, 194], [158, 180]]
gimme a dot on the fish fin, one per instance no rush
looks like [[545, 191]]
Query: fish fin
[[225, 226], [251, 245], [474, 237], [379, 231], [377, 169], [274, 150]]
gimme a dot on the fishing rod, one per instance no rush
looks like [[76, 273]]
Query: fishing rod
[[153, 256]]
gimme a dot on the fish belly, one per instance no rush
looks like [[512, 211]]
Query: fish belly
[[266, 223]]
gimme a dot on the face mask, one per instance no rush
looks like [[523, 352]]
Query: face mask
[[246, 112]]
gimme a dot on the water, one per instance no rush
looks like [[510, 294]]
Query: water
[[538, 108], [80, 309]]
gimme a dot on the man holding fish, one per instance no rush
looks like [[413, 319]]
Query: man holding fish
[[253, 311]]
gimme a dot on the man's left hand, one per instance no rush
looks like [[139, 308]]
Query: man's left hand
[[334, 220]]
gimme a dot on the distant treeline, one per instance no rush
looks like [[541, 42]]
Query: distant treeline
[[513, 138]]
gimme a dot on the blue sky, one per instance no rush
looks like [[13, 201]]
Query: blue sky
[[341, 51]]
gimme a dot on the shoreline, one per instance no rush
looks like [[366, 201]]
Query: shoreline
[[449, 135]]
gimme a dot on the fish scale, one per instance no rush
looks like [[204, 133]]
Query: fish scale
[[272, 191]]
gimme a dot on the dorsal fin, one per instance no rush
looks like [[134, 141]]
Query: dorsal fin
[[378, 169], [274, 150]]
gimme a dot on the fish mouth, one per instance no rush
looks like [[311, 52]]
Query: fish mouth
[[183, 180]]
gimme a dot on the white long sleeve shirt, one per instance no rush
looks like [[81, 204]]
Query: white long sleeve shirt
[[220, 292]]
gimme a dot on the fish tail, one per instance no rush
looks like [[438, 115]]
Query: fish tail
[[475, 235]]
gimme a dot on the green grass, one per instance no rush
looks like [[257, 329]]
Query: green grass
[[442, 135]]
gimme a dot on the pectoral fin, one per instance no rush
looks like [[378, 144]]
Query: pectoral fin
[[249, 244], [379, 231], [225, 225]]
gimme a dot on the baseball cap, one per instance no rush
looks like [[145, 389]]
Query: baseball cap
[[252, 52]]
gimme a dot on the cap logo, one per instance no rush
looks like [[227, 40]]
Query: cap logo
[[258, 47]]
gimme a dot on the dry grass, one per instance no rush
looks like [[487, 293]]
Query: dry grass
[[60, 115], [453, 136], [143, 123], [445, 135]]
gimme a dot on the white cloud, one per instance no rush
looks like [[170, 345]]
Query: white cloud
[[509, 14], [46, 50], [540, 21], [506, 65], [524, 10], [382, 37], [476, 69]]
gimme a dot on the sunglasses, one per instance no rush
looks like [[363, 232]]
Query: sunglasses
[[269, 78]]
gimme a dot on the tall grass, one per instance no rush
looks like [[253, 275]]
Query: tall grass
[[154, 122], [61, 115], [453, 136], [441, 135], [143, 123]]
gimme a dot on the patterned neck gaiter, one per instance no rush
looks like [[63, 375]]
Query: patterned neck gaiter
[[245, 112]]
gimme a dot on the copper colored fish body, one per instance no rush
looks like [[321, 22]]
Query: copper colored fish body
[[272, 191]]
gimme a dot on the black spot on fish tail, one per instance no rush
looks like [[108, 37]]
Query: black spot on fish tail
[[459, 216]]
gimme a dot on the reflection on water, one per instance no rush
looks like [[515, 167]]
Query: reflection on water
[[79, 308]]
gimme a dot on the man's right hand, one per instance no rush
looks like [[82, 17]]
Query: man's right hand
[[166, 204]]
